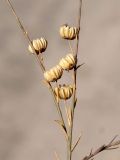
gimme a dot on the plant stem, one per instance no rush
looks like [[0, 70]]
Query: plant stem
[[70, 130]]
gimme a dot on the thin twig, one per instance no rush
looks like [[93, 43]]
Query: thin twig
[[39, 59], [70, 131], [109, 146], [78, 26]]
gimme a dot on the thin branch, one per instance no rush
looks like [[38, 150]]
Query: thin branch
[[111, 145], [70, 130]]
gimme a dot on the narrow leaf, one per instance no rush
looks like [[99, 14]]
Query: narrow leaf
[[62, 127], [79, 66], [76, 143]]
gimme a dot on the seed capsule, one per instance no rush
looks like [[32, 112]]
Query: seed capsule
[[64, 92], [67, 32], [39, 45], [53, 74], [68, 62]]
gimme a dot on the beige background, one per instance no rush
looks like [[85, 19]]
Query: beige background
[[27, 112]]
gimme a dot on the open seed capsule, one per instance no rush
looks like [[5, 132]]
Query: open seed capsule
[[68, 62], [53, 74], [39, 45], [67, 32], [64, 92]]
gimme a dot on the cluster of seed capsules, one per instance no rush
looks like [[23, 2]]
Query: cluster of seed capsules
[[62, 92]]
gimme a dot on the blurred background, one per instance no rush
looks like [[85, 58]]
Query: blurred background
[[27, 112]]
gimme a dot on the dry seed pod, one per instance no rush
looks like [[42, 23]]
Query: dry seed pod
[[39, 45], [64, 92], [68, 62], [67, 32], [53, 74]]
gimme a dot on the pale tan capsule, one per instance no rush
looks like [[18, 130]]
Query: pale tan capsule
[[53, 74], [68, 62], [64, 92], [67, 32], [39, 45]]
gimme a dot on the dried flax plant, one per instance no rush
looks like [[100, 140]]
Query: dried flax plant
[[63, 92]]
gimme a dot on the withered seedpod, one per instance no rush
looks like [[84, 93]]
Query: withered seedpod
[[68, 62], [68, 32], [53, 74], [63, 92], [39, 45]]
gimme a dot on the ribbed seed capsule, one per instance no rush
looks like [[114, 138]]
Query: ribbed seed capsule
[[39, 45], [67, 32], [68, 62], [53, 74], [64, 92]]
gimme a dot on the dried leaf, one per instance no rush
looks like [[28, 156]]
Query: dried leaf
[[79, 66], [76, 143], [75, 103], [62, 127]]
